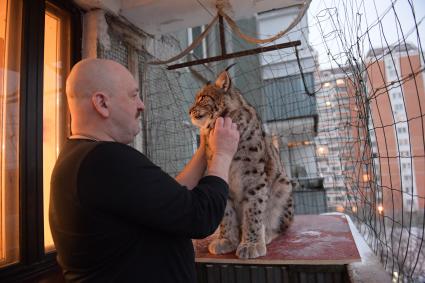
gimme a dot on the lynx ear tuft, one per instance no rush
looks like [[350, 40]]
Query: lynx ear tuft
[[230, 66], [223, 81]]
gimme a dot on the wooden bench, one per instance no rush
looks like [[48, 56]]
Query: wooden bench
[[316, 248]]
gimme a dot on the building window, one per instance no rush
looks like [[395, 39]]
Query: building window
[[55, 115], [404, 153], [401, 130], [405, 166], [340, 82], [398, 107], [33, 121], [396, 95], [10, 45], [199, 51]]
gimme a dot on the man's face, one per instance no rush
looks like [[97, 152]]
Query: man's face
[[127, 109]]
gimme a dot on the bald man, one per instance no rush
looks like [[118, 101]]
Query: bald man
[[114, 215]]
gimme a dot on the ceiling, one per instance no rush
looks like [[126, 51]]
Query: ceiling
[[165, 16]]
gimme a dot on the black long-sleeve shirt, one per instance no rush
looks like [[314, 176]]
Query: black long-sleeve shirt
[[117, 217]]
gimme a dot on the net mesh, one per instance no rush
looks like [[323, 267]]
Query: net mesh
[[347, 113]]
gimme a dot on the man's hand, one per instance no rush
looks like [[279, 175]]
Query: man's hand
[[224, 138], [223, 141]]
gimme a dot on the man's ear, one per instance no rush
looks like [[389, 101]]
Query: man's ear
[[223, 81], [100, 102]]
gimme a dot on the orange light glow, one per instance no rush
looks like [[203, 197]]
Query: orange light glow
[[365, 177], [54, 107], [322, 150], [10, 35], [340, 82], [340, 208], [380, 209]]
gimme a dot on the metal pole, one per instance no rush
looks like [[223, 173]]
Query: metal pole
[[236, 54]]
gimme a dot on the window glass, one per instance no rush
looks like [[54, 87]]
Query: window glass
[[55, 114], [10, 45], [200, 51]]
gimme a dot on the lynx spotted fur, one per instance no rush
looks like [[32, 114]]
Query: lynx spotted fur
[[259, 207]]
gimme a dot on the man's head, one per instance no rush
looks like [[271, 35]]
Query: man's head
[[104, 101]]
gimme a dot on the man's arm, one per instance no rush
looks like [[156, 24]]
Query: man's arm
[[223, 140], [117, 180], [195, 169]]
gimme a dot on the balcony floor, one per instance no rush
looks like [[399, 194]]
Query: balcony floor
[[310, 240]]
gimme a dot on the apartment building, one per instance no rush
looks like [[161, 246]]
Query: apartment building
[[334, 139], [291, 113], [396, 93]]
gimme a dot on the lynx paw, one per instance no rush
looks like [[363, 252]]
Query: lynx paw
[[221, 246], [251, 250], [270, 237]]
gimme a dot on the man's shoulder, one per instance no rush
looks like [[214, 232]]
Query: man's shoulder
[[119, 153]]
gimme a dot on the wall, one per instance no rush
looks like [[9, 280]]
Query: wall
[[167, 136]]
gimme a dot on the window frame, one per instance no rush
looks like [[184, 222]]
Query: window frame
[[34, 261]]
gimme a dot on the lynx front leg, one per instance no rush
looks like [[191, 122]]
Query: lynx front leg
[[253, 242], [228, 238]]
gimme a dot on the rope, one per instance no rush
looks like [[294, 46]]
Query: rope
[[236, 29], [250, 39], [309, 93]]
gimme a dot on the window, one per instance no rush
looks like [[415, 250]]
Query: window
[[401, 130], [405, 166], [396, 95], [398, 107], [324, 169], [55, 116], [33, 121], [404, 153], [10, 45], [199, 51], [286, 97], [340, 82]]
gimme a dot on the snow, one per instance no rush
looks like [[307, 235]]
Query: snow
[[370, 268]]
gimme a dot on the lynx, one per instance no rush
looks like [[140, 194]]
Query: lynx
[[259, 207]]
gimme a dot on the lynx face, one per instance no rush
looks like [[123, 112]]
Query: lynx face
[[209, 104]]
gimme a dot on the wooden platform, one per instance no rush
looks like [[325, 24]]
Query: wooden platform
[[310, 240]]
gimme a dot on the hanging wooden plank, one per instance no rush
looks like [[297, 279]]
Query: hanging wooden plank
[[236, 54]]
